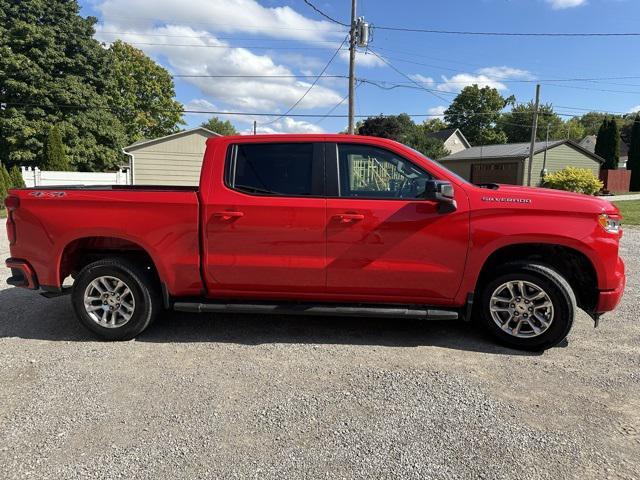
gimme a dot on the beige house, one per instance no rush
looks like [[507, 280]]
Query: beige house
[[509, 163], [452, 138], [172, 160]]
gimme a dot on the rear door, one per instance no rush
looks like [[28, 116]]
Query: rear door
[[265, 221], [384, 243]]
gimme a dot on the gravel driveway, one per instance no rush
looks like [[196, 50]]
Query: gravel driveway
[[267, 397]]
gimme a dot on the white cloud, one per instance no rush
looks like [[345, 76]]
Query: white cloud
[[484, 77], [363, 59], [286, 125], [227, 16], [426, 81], [505, 72], [461, 80], [561, 4], [207, 55], [439, 110], [634, 109], [199, 105]]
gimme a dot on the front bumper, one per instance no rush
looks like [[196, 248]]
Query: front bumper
[[22, 275], [609, 299]]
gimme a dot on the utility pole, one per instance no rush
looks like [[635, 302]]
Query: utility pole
[[546, 147], [352, 68], [255, 127], [534, 131]]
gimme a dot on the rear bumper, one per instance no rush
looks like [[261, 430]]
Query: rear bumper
[[609, 299], [22, 275]]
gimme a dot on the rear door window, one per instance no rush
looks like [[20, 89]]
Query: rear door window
[[282, 169]]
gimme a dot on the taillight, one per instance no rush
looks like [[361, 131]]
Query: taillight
[[12, 203], [11, 230]]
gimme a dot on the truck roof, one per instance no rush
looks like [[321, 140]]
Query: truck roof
[[336, 137]]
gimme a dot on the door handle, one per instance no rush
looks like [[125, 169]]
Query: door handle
[[228, 215], [349, 217]]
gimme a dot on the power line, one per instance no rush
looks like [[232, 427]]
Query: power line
[[208, 37], [335, 54], [257, 76], [324, 117], [437, 95], [224, 25], [320, 12], [257, 47], [511, 34], [4, 104]]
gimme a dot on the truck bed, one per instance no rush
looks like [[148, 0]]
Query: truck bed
[[52, 221]]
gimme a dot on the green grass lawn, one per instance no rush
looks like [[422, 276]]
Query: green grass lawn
[[630, 211]]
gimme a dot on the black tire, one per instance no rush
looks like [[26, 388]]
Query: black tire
[[144, 289], [554, 285]]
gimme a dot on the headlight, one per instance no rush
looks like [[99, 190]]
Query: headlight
[[609, 223]]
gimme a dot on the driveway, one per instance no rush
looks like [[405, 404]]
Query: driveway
[[279, 397]]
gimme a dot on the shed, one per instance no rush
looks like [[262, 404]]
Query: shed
[[175, 159], [509, 163]]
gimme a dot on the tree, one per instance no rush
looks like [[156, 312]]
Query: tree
[[55, 157], [142, 94], [17, 181], [53, 72], [434, 125], [573, 130], [428, 146], [475, 111], [633, 163], [4, 186], [591, 121], [219, 126], [402, 128], [517, 123], [608, 143], [386, 126]]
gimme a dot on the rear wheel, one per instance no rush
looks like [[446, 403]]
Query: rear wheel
[[528, 306], [115, 298]]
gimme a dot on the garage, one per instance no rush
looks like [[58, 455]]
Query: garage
[[509, 163], [495, 173]]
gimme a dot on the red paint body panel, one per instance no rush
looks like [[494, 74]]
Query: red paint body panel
[[221, 243]]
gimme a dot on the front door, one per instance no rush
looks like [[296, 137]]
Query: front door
[[384, 243], [265, 227]]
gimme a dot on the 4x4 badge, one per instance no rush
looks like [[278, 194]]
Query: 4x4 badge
[[39, 194]]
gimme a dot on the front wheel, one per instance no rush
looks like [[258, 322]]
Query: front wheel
[[528, 306], [115, 298]]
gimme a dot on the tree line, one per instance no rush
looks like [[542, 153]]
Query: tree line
[[65, 97], [69, 102], [485, 117]]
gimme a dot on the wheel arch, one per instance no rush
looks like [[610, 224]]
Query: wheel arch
[[575, 266], [81, 251]]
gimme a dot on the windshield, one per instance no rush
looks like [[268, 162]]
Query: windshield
[[463, 180]]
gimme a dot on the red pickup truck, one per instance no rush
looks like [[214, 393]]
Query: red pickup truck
[[321, 225]]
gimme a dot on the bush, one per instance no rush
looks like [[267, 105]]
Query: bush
[[16, 177], [579, 180], [4, 186]]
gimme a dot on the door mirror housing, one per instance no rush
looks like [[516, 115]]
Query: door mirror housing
[[442, 192]]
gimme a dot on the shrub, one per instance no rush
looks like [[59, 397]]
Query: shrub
[[16, 177], [4, 186], [573, 179]]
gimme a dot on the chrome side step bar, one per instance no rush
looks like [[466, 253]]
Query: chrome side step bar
[[422, 313]]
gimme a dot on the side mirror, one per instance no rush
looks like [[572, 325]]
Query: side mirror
[[442, 192]]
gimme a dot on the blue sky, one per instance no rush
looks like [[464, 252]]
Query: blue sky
[[281, 38]]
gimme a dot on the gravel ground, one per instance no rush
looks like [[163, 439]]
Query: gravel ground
[[268, 397]]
